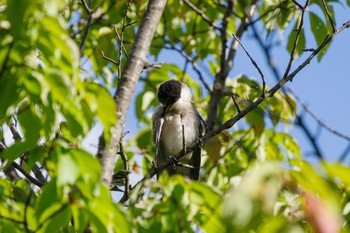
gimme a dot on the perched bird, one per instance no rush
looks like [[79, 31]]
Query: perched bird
[[176, 124]]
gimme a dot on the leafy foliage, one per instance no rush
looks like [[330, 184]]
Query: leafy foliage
[[54, 87]]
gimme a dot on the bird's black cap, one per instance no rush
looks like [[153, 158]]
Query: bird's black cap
[[169, 92]]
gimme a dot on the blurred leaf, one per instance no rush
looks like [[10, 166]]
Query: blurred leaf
[[68, 170], [8, 92], [18, 15], [101, 102], [256, 120], [60, 220], [338, 172], [49, 201]]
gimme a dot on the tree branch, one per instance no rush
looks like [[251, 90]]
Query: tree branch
[[27, 175], [127, 83]]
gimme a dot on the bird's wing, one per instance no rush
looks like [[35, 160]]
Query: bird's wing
[[197, 152], [157, 124]]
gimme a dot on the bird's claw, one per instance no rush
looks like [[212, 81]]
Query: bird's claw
[[200, 142], [175, 162]]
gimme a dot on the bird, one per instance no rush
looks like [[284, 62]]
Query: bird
[[177, 124]]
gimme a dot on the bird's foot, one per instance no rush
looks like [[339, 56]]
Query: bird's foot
[[200, 142], [174, 160]]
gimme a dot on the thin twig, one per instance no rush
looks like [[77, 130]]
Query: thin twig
[[88, 23], [157, 65], [254, 63], [108, 59], [235, 102], [328, 15], [298, 4], [121, 37], [202, 14], [126, 168], [194, 65], [300, 27]]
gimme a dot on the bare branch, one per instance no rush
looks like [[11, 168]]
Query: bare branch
[[27, 175]]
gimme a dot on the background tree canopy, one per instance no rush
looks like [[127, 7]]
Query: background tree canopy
[[68, 68]]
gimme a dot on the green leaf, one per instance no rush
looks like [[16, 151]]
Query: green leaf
[[14, 151], [256, 120], [31, 125], [300, 46], [209, 215], [68, 170], [48, 201], [102, 103], [59, 221], [8, 92], [144, 138], [320, 31], [288, 142], [80, 218], [106, 216], [18, 13]]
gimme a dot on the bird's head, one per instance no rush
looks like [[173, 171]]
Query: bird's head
[[172, 91]]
